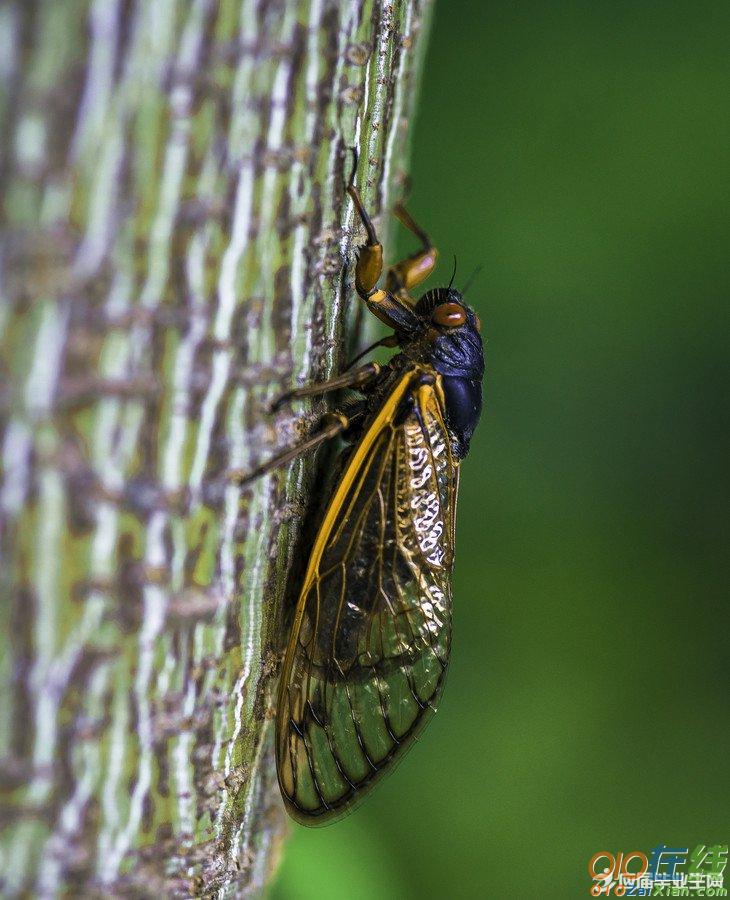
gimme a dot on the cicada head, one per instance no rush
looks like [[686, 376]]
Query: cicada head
[[455, 344], [454, 348]]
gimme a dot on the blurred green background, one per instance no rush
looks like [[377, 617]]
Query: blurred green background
[[581, 152]]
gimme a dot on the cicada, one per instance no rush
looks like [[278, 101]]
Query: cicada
[[369, 647]]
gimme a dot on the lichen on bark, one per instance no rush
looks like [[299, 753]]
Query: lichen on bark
[[176, 249]]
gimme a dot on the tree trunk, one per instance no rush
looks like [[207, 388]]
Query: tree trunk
[[176, 249]]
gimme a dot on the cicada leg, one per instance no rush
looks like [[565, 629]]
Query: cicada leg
[[411, 271], [394, 311], [369, 265], [351, 378], [332, 424]]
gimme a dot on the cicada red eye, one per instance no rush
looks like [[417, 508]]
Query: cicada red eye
[[449, 315]]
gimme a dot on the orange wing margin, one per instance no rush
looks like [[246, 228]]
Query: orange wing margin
[[369, 647]]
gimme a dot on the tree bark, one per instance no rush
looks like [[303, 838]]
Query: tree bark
[[176, 250]]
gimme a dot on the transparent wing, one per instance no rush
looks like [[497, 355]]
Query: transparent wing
[[368, 653]]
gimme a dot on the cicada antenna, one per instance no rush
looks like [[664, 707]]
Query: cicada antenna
[[470, 279], [453, 274]]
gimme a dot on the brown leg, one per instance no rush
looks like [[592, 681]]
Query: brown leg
[[370, 258], [351, 378], [394, 311], [411, 271]]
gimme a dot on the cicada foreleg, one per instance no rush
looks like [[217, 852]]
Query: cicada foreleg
[[369, 265], [411, 271], [395, 311]]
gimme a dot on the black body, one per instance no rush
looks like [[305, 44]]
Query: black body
[[457, 355]]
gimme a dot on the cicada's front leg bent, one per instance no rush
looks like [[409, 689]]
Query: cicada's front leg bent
[[369, 265], [396, 312], [411, 271]]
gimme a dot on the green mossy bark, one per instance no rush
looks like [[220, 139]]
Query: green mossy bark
[[176, 249]]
